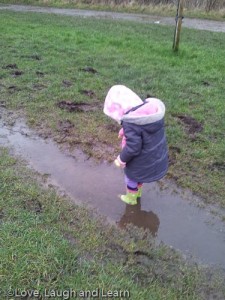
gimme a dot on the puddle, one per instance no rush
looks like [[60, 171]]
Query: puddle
[[164, 210]]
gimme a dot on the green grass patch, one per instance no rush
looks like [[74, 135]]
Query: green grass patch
[[47, 59], [49, 246]]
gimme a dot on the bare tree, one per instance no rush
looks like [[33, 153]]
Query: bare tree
[[210, 4]]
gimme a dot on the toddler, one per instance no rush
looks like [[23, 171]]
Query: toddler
[[144, 153]]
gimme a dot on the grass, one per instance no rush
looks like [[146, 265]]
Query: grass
[[52, 247], [78, 60]]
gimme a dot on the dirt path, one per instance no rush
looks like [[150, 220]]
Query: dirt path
[[209, 25]]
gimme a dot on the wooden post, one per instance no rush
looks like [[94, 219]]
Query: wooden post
[[179, 18]]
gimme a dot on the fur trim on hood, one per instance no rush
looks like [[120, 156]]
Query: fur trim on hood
[[151, 111]]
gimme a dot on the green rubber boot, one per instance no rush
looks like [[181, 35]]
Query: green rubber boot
[[139, 193], [129, 198]]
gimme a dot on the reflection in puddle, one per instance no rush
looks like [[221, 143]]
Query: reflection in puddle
[[144, 219], [167, 214]]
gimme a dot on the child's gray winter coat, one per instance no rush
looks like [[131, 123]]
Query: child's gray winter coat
[[145, 152]]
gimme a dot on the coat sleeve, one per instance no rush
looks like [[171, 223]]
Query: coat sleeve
[[133, 145]]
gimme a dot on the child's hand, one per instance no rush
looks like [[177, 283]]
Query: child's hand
[[121, 133], [119, 163], [116, 162]]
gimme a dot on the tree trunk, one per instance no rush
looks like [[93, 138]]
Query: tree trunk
[[179, 18]]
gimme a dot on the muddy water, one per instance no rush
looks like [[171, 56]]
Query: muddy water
[[163, 209]]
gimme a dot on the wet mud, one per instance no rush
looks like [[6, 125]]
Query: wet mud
[[65, 126], [14, 69], [2, 104], [17, 73], [191, 124], [33, 205], [173, 154], [67, 83], [218, 166], [89, 93], [10, 66], [113, 127], [78, 107], [13, 89], [173, 216], [89, 69], [41, 74], [34, 57], [38, 86]]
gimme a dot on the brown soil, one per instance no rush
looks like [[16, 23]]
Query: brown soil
[[192, 126], [78, 107], [89, 69]]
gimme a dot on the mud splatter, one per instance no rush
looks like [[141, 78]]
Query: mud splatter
[[38, 86], [65, 126], [17, 73], [78, 107], [113, 127], [33, 205], [41, 74], [10, 66], [192, 126], [70, 239], [67, 83], [117, 253], [34, 56], [173, 154], [143, 258], [13, 88], [89, 69], [89, 93], [218, 166], [206, 83], [103, 151], [2, 104], [1, 214]]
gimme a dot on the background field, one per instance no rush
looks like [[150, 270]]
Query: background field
[[56, 71]]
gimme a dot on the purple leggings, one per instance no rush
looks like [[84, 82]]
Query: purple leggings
[[131, 184]]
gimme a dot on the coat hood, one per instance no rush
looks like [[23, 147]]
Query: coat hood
[[122, 104], [119, 100], [151, 111]]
